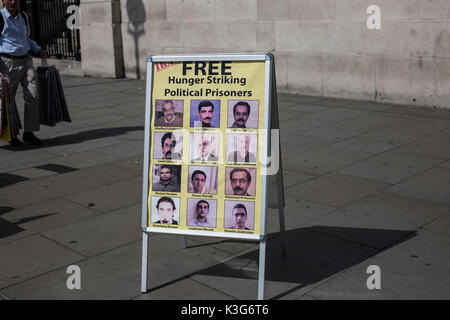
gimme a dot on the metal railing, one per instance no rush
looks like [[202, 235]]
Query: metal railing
[[48, 19]]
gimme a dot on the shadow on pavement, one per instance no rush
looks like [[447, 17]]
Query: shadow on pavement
[[314, 254], [78, 137], [9, 228]]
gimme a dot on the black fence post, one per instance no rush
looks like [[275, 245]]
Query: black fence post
[[48, 19]]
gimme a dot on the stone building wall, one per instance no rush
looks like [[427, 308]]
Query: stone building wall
[[321, 47]]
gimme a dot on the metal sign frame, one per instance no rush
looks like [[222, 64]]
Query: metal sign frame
[[261, 237]]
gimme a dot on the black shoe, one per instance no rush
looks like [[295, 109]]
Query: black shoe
[[15, 142], [31, 139]]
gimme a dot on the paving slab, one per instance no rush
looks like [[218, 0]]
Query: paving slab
[[331, 135], [367, 122], [430, 147], [110, 197], [432, 185], [383, 212], [297, 213], [230, 246], [186, 289], [313, 257], [113, 275], [301, 124], [439, 225], [30, 257], [319, 160], [51, 187], [80, 142], [409, 270], [10, 158], [366, 145], [389, 167], [291, 178], [32, 173], [84, 159], [291, 113], [445, 164], [410, 110], [101, 233], [37, 218], [308, 108], [336, 114], [409, 130], [297, 98], [335, 190], [124, 150], [296, 143], [364, 105]]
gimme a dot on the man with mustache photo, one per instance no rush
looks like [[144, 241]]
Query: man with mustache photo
[[205, 113], [241, 112], [240, 179], [169, 117], [168, 143]]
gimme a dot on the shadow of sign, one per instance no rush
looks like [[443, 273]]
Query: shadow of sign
[[136, 17], [314, 254]]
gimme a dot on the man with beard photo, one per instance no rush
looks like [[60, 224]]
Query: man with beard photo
[[169, 117], [241, 112], [204, 117], [166, 182], [240, 180]]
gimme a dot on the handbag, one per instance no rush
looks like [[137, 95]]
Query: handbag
[[52, 102]]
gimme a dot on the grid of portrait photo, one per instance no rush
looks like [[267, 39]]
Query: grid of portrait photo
[[204, 172]]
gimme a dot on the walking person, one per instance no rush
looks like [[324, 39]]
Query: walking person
[[15, 45]]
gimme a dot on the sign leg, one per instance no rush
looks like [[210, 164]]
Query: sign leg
[[262, 269], [144, 272]]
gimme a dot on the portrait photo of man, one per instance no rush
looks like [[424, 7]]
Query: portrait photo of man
[[243, 114], [166, 178], [205, 147], [166, 210], [242, 148], [169, 113], [168, 145], [202, 179], [205, 113], [239, 215], [240, 181], [202, 213]]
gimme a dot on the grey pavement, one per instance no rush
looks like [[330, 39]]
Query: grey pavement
[[365, 184]]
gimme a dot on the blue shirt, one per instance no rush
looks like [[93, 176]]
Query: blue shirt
[[15, 39]]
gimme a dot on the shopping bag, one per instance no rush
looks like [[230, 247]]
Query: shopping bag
[[10, 124], [52, 101]]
